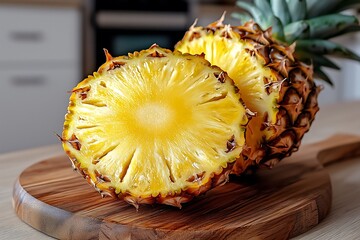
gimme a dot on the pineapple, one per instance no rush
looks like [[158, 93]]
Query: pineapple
[[275, 76], [277, 88], [155, 127]]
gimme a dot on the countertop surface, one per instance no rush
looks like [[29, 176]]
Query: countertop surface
[[342, 223]]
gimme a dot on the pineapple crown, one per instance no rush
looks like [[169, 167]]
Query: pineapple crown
[[308, 23]]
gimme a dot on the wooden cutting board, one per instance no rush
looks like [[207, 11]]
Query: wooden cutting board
[[273, 204]]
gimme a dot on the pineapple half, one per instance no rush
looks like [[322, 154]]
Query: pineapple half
[[275, 86], [155, 127]]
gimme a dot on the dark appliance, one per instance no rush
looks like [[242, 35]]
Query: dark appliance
[[124, 26]]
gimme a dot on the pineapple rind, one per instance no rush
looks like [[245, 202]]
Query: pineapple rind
[[110, 123]]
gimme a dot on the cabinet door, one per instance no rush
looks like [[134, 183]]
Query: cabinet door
[[39, 34], [32, 106]]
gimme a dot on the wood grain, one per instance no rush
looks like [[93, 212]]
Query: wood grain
[[278, 204]]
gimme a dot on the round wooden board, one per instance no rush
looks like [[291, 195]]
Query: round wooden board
[[277, 204]]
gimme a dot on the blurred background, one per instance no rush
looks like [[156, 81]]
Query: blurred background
[[48, 46]]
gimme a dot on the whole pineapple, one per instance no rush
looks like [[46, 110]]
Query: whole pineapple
[[155, 127], [275, 82]]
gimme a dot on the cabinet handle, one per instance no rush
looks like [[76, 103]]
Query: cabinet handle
[[27, 36], [23, 81]]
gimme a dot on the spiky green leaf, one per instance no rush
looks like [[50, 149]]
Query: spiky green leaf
[[316, 59], [280, 10], [318, 73], [264, 17], [321, 27], [243, 17], [265, 7], [296, 30], [320, 7], [325, 47], [255, 12], [345, 31], [278, 29], [297, 9], [328, 25], [325, 62]]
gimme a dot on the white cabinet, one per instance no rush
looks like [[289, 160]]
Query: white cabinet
[[39, 34], [346, 81], [40, 62]]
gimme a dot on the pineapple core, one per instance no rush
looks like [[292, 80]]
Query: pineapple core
[[155, 116]]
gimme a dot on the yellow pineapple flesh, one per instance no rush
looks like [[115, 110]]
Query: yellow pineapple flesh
[[155, 127], [273, 84]]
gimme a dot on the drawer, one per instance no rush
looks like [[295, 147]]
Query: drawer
[[39, 33], [32, 106]]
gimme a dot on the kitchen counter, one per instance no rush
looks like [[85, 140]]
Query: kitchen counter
[[342, 222]]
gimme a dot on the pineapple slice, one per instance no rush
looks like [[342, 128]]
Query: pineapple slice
[[274, 85], [155, 127]]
